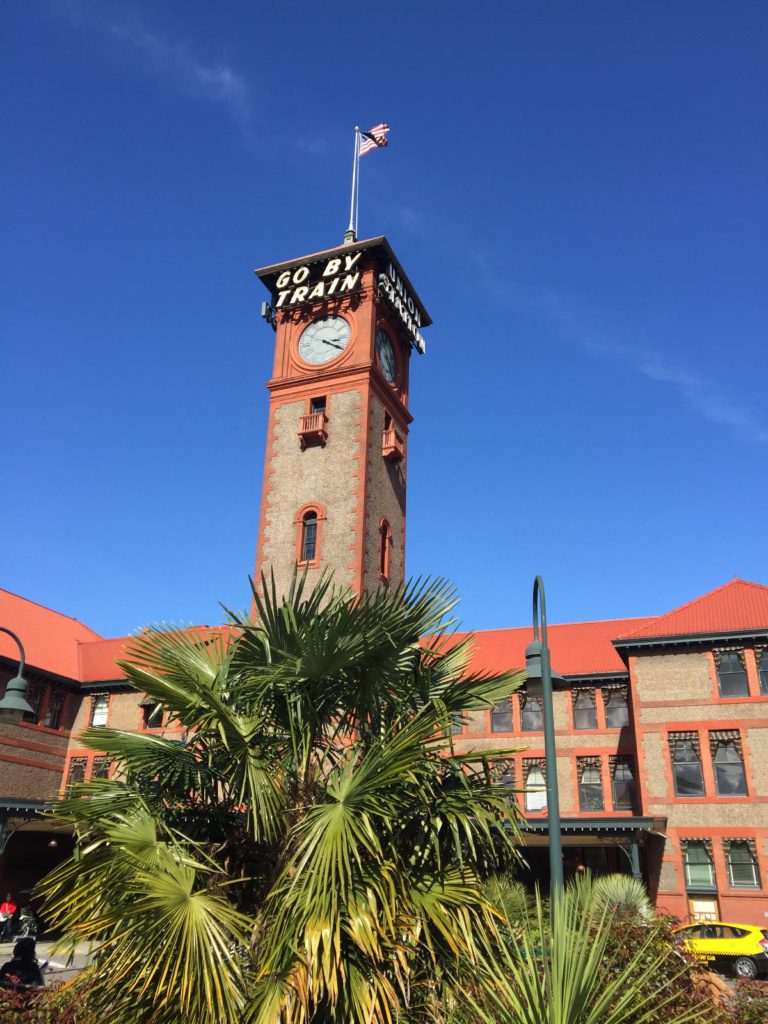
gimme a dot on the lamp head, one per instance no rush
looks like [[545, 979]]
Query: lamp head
[[13, 705], [533, 672]]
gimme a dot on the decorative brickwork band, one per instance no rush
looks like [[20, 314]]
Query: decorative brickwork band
[[706, 843], [584, 763], [725, 737], [621, 688], [718, 652], [677, 739], [529, 763], [589, 690], [736, 841], [615, 760]]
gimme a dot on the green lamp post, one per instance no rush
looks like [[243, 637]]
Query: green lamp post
[[13, 705], [540, 677]]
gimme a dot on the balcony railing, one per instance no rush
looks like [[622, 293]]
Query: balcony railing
[[392, 445], [313, 429]]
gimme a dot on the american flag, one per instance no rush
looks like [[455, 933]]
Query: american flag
[[374, 138]]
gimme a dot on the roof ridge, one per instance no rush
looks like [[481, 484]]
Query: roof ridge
[[552, 625], [53, 611], [696, 600]]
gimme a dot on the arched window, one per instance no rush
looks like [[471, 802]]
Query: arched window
[[385, 549], [309, 537]]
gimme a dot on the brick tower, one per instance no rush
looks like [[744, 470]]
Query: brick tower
[[345, 321]]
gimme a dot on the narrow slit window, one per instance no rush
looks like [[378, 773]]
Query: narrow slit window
[[309, 537], [385, 549]]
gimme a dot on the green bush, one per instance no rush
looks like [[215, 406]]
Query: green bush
[[751, 1002]]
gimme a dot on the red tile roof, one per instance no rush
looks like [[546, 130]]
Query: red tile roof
[[576, 648], [51, 640], [736, 607]]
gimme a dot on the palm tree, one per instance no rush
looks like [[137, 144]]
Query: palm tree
[[564, 964], [314, 848]]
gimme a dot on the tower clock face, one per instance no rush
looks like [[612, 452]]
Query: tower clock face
[[324, 339], [386, 354]]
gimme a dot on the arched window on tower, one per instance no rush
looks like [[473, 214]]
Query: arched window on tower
[[385, 550], [309, 537]]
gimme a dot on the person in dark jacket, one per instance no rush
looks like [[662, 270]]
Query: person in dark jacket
[[23, 971]]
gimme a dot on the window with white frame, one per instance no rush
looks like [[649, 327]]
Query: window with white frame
[[99, 709], [741, 858], [534, 774], [699, 867]]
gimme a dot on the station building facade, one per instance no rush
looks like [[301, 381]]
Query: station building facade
[[662, 726]]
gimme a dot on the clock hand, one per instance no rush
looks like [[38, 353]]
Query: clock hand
[[335, 344]]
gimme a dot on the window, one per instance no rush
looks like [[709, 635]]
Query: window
[[686, 763], [501, 716], [503, 772], [76, 772], [616, 708], [33, 697], [531, 713], [385, 547], [456, 726], [623, 783], [317, 405], [152, 715], [54, 710], [100, 769], [731, 675], [728, 763], [99, 709], [535, 785], [309, 537], [699, 869], [590, 784], [584, 710], [741, 858], [761, 657]]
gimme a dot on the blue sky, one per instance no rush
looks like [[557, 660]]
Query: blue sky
[[577, 191]]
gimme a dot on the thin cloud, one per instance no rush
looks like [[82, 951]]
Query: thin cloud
[[703, 397], [176, 63]]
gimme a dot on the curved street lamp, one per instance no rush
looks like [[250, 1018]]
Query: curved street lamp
[[540, 678], [14, 705]]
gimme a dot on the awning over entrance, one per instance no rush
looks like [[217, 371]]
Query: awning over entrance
[[624, 834]]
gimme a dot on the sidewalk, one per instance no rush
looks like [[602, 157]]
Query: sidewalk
[[58, 970]]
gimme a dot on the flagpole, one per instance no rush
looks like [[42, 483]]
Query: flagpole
[[350, 235]]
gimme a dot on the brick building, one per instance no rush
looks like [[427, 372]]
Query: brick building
[[663, 723]]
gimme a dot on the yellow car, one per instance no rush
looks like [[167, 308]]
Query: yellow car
[[738, 948]]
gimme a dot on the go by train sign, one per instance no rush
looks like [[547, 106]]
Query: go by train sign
[[339, 274]]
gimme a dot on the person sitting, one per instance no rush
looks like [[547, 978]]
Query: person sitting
[[23, 971], [7, 909]]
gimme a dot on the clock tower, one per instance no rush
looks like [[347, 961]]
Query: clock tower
[[346, 322]]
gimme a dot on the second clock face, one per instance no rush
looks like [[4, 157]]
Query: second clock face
[[386, 354], [324, 339]]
